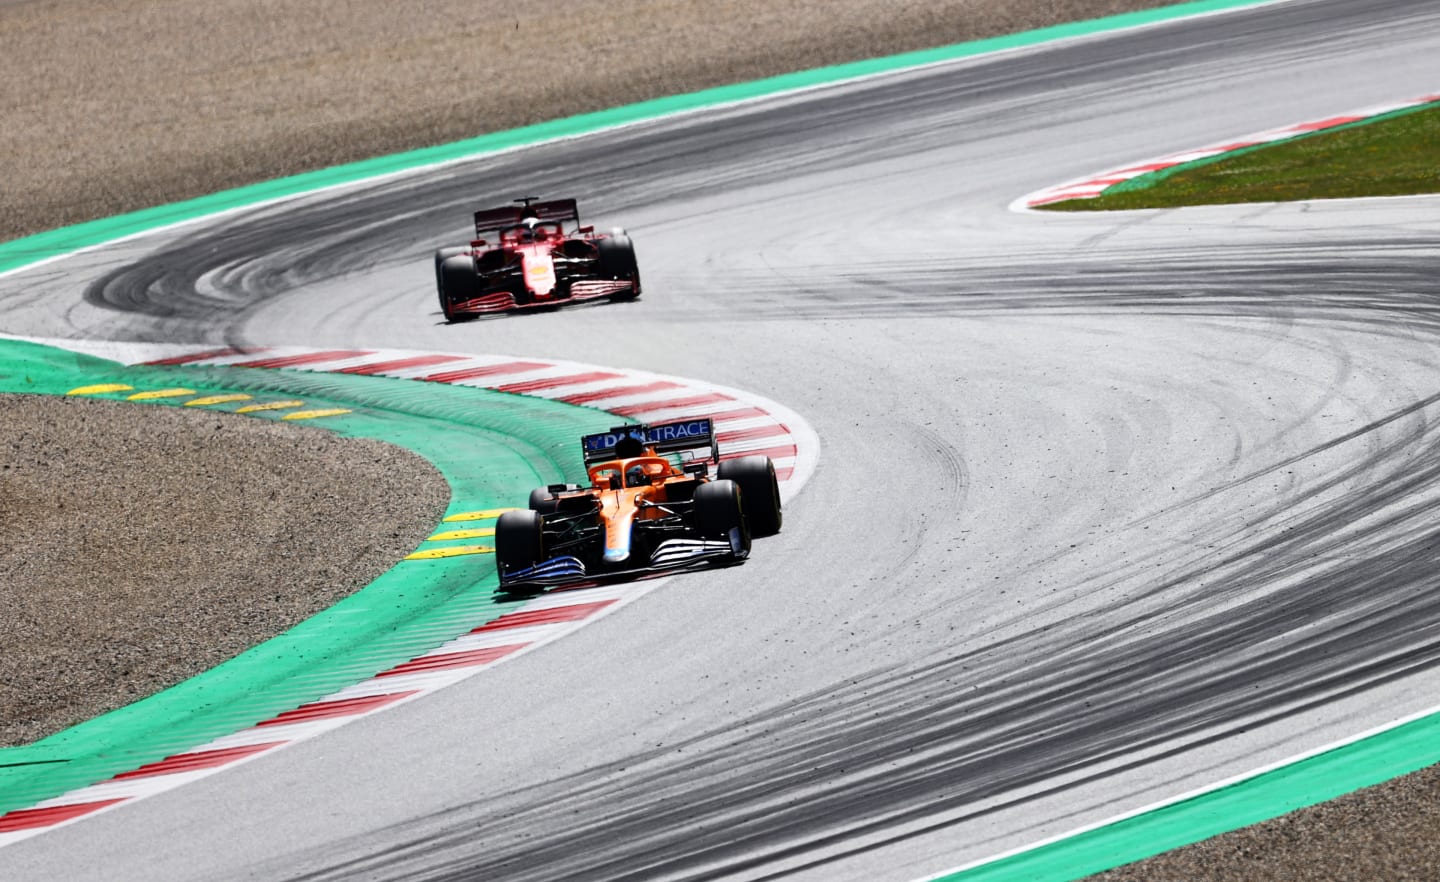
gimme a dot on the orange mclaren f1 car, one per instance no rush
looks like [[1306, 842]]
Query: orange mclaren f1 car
[[648, 508], [533, 254]]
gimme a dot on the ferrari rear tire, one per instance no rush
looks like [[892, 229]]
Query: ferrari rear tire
[[519, 541], [617, 262], [759, 492], [720, 516], [458, 283]]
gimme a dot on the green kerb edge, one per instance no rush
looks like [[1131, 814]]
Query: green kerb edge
[[42, 246], [1159, 176], [1322, 777], [490, 447]]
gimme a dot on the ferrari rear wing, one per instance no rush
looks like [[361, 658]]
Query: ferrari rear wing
[[491, 219], [676, 437]]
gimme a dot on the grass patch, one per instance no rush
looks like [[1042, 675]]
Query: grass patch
[[1394, 155]]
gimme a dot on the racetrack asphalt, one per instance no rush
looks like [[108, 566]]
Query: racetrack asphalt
[[1110, 506]]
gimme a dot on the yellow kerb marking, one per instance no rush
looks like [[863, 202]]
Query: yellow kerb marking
[[274, 405], [462, 534], [477, 515], [217, 399], [314, 414], [159, 393], [100, 389], [453, 551]]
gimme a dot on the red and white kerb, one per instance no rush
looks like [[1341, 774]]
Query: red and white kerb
[[744, 423], [540, 621], [1091, 187]]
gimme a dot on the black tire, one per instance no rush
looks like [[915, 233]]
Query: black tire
[[543, 501], [519, 541], [458, 283], [617, 261], [518, 290], [759, 492], [441, 256], [719, 515]]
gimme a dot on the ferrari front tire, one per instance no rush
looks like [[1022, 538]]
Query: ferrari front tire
[[458, 283], [441, 256], [617, 262]]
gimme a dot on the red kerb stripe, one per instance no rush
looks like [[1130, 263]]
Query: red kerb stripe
[[553, 382], [202, 356], [772, 452], [445, 660], [744, 413], [1327, 123], [751, 434], [29, 819], [200, 759], [308, 358], [1139, 169], [342, 708], [740, 413], [489, 370], [693, 401], [544, 616], [618, 391], [400, 364]]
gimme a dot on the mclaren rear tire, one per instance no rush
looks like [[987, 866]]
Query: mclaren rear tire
[[759, 492]]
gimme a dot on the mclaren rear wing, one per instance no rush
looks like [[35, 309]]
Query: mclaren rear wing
[[676, 437], [561, 210]]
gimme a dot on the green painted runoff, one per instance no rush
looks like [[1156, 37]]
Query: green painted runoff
[[491, 448]]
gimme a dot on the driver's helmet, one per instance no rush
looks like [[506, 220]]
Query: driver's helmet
[[635, 476], [629, 446]]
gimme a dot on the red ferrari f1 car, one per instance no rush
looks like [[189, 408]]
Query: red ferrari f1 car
[[533, 254], [647, 509]]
